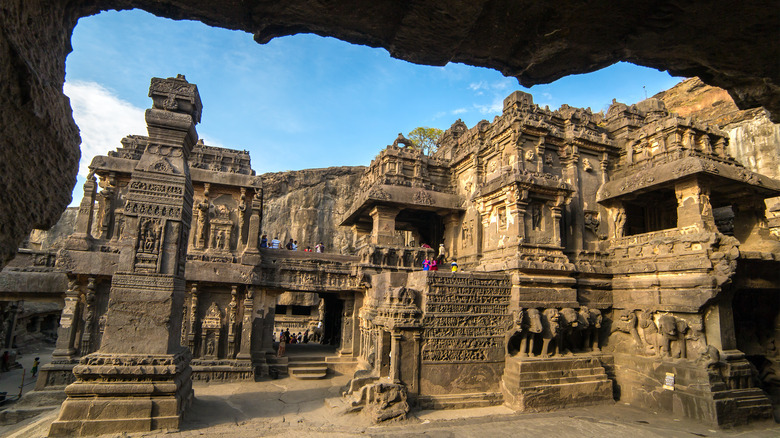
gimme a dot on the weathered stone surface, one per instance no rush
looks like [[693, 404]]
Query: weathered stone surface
[[536, 42], [304, 205]]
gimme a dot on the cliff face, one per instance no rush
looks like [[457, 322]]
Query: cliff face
[[304, 205]]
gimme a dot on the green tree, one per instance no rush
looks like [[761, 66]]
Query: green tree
[[425, 138]]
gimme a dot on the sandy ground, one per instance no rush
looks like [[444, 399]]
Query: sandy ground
[[11, 380], [313, 408]]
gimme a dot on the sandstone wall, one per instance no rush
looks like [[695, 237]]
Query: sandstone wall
[[304, 205]]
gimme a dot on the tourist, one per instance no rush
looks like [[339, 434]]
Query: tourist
[[308, 249], [319, 247], [454, 265], [434, 265], [36, 362], [295, 246], [425, 245], [264, 241], [289, 245], [306, 337], [275, 243], [441, 252], [282, 345], [6, 361], [426, 264]]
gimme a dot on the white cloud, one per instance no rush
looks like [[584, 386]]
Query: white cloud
[[459, 111], [103, 118], [496, 107]]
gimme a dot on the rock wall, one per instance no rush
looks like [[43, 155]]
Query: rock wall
[[305, 205]]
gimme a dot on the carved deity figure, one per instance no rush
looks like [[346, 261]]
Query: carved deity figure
[[620, 223], [203, 218], [536, 216], [210, 346], [650, 334]]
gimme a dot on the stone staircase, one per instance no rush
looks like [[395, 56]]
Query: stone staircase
[[541, 385], [307, 367], [461, 401], [310, 366]]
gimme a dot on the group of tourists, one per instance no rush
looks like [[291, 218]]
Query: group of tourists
[[432, 264], [292, 245], [285, 337]]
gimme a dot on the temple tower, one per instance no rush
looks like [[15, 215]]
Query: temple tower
[[140, 378]]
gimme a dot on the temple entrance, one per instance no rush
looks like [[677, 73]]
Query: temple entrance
[[331, 325], [419, 227], [384, 356]]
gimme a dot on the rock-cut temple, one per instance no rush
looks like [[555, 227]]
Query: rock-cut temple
[[601, 257]]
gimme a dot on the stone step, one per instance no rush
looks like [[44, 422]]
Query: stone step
[[461, 401], [530, 383], [307, 364], [308, 373], [298, 359], [753, 402]]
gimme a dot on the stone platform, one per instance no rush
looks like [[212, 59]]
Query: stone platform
[[127, 393], [537, 384], [726, 398]]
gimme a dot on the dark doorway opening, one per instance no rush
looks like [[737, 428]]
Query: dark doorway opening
[[653, 211], [331, 330]]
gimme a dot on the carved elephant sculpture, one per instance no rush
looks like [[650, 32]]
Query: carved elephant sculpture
[[591, 335], [550, 332], [515, 336], [672, 329], [571, 324]]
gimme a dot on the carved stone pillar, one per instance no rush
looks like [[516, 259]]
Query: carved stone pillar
[[81, 237], [415, 386], [69, 320], [241, 219], [693, 205], [347, 327], [451, 223], [395, 357], [106, 205], [192, 326], [555, 212], [232, 319], [143, 321], [383, 231], [251, 254], [246, 325], [89, 318]]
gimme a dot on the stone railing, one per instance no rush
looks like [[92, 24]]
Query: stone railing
[[404, 257]]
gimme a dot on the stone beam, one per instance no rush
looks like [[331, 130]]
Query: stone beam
[[536, 42]]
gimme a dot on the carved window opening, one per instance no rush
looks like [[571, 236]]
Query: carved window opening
[[281, 309], [301, 310], [649, 212]]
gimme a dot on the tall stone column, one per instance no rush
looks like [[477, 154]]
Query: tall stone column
[[140, 379], [81, 237], [251, 254], [71, 314], [246, 325], [395, 357], [89, 317], [383, 232]]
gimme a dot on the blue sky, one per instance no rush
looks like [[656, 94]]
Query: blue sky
[[297, 102]]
